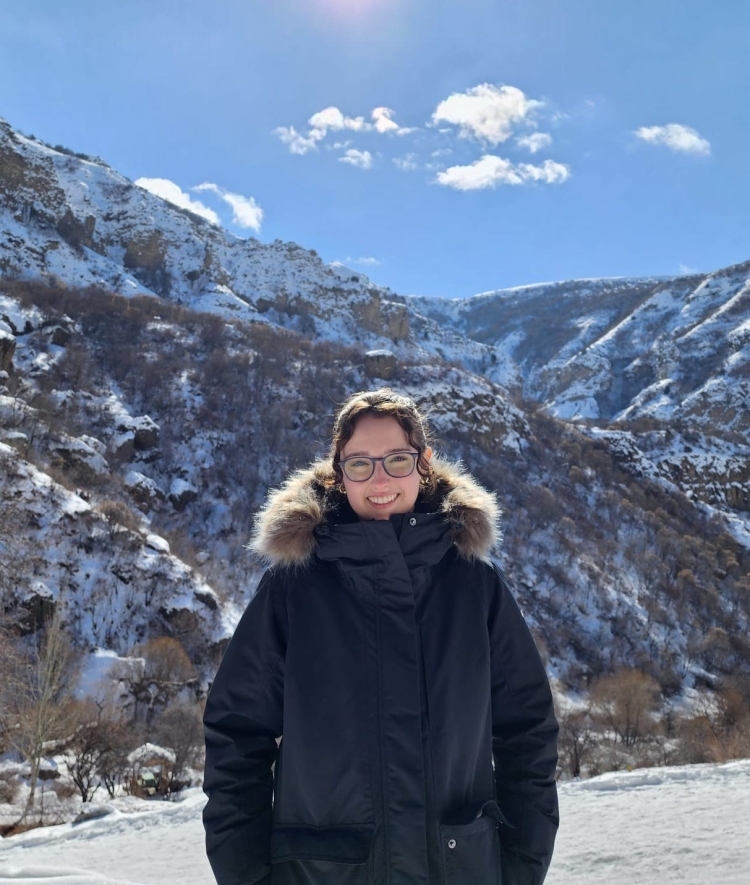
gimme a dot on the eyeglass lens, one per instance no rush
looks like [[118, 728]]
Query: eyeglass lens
[[398, 465]]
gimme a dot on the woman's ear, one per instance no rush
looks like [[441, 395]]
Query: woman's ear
[[427, 453]]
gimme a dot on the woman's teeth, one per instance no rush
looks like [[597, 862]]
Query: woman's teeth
[[383, 500]]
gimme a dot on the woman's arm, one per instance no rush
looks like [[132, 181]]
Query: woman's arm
[[243, 718], [524, 742]]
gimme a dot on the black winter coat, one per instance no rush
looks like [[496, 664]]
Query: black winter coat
[[394, 661]]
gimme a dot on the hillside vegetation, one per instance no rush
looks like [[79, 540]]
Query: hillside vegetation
[[158, 376]]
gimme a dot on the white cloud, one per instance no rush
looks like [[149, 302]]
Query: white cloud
[[360, 159], [298, 143], [168, 190], [383, 121], [537, 141], [332, 119], [406, 164], [676, 137], [367, 261], [550, 172], [385, 124], [489, 171], [486, 112], [245, 211], [686, 270]]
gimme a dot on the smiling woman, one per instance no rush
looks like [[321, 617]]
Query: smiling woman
[[380, 670]]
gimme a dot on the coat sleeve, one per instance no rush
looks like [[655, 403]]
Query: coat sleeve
[[243, 718], [524, 742]]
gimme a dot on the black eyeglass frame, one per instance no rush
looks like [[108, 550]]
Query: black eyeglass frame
[[415, 456]]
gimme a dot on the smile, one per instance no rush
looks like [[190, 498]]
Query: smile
[[386, 499]]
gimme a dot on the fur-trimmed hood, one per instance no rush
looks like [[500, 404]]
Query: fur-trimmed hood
[[285, 527]]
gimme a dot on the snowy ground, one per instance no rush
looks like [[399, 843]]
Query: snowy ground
[[661, 825]]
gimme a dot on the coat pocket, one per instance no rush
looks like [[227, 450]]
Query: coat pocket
[[470, 851], [308, 855]]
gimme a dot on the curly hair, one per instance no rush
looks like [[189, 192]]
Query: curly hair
[[383, 403]]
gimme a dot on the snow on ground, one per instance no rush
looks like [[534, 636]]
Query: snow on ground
[[655, 826], [149, 843], [686, 824]]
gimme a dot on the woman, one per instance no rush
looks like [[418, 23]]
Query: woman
[[388, 651]]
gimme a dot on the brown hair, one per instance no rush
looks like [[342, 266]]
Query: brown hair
[[383, 403]]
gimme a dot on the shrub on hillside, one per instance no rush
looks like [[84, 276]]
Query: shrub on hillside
[[625, 703]]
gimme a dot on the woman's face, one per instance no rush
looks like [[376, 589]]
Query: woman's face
[[381, 495]]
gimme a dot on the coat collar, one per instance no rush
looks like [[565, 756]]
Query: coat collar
[[422, 539], [298, 516]]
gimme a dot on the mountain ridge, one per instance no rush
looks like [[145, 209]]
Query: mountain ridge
[[154, 361]]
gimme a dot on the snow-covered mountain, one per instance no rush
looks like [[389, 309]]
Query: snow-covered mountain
[[666, 361], [197, 368], [622, 349], [80, 221], [676, 348]]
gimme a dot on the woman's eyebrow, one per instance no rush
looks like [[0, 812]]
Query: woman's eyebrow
[[368, 455]]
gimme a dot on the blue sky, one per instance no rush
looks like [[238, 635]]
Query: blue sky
[[444, 147]]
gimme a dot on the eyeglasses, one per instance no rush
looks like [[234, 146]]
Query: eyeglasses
[[359, 468]]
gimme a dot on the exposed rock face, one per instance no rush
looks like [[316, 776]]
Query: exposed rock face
[[208, 599], [380, 364], [37, 608], [78, 453], [182, 493], [59, 335], [28, 182], [144, 491], [146, 433], [181, 620], [136, 433], [145, 255], [7, 349], [387, 319], [77, 233]]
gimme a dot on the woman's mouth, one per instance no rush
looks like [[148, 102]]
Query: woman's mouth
[[382, 500]]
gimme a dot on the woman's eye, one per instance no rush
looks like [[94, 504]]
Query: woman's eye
[[359, 462], [398, 459]]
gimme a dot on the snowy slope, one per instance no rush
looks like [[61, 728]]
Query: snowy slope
[[82, 222], [684, 825], [622, 348], [625, 349], [670, 348]]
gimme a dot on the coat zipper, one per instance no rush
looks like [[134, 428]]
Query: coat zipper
[[383, 802]]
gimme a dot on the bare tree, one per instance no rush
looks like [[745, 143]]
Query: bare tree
[[158, 672], [576, 739], [40, 673], [94, 748], [720, 728], [180, 729], [113, 764]]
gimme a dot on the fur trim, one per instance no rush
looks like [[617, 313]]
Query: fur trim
[[472, 510], [284, 533]]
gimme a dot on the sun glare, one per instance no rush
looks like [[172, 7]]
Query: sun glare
[[351, 8]]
